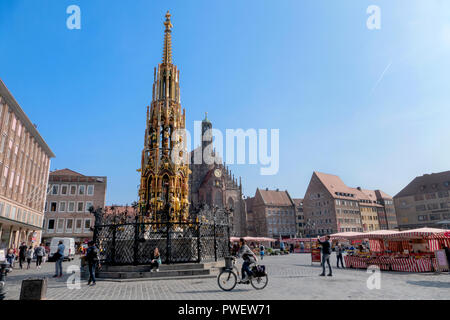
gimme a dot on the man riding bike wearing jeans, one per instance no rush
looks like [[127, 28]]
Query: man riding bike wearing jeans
[[249, 257]]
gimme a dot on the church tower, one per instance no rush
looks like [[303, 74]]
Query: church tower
[[164, 182]]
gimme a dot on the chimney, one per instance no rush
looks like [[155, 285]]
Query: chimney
[[359, 188], [267, 189], [278, 190]]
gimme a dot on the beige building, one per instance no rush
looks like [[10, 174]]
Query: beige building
[[70, 195], [424, 202], [24, 168], [271, 213], [300, 217], [331, 207]]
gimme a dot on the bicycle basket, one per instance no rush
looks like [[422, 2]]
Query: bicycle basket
[[259, 271], [228, 262]]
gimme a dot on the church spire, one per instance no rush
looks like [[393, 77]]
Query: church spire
[[167, 54]]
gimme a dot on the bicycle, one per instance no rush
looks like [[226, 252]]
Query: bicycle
[[228, 277]]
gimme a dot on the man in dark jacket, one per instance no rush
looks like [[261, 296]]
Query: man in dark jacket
[[326, 252], [92, 260], [22, 254]]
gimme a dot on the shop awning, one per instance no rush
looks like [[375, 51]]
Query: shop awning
[[421, 233]]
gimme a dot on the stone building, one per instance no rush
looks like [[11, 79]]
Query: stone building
[[333, 207], [271, 213], [24, 167], [300, 217], [70, 195], [424, 202], [212, 182]]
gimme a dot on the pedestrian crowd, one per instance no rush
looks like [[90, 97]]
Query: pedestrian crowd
[[25, 256]]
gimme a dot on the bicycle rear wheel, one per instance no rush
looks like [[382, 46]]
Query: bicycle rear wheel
[[227, 280], [259, 283]]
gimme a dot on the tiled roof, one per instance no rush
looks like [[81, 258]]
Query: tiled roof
[[427, 183], [65, 172], [339, 190], [334, 185], [298, 202], [275, 198]]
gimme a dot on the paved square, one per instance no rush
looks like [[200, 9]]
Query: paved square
[[290, 277]]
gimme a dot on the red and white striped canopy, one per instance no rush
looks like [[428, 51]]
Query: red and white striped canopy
[[346, 235], [422, 233]]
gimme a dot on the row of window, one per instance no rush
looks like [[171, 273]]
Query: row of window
[[346, 203], [67, 225], [351, 229], [13, 213], [369, 217], [280, 212], [68, 206], [343, 194], [432, 195], [339, 211], [433, 206], [72, 190], [282, 230], [434, 216], [354, 221], [435, 185]]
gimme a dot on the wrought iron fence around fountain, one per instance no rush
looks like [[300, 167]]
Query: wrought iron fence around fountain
[[131, 240]]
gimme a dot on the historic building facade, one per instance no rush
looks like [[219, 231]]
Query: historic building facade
[[164, 182], [300, 218], [24, 167], [69, 197], [212, 183], [271, 213], [330, 206], [424, 202]]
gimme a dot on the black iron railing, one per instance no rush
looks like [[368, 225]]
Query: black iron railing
[[133, 243]]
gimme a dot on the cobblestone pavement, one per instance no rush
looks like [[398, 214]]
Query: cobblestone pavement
[[290, 277]]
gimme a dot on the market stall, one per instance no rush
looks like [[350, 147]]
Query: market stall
[[302, 245], [406, 251]]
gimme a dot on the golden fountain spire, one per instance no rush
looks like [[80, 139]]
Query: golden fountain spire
[[167, 54]]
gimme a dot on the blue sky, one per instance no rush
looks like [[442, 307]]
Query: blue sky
[[371, 106]]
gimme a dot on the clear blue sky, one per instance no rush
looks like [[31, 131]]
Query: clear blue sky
[[369, 106]]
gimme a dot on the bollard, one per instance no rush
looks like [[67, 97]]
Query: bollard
[[3, 271]]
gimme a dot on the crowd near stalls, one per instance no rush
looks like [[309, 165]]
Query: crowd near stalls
[[418, 250], [254, 243]]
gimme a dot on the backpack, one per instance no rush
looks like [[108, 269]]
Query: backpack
[[92, 254]]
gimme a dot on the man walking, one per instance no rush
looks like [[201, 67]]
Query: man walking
[[22, 254], [59, 257], [339, 251], [326, 252], [92, 260]]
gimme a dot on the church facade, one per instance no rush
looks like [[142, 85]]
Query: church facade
[[212, 183]]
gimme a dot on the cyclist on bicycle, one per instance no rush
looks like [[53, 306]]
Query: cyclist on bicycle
[[249, 257]]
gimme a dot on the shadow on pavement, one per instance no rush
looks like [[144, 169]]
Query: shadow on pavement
[[434, 284], [216, 291]]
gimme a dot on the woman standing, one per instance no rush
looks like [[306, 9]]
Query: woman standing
[[156, 261], [29, 255], [40, 253]]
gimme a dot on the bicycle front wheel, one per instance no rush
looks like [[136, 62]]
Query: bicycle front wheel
[[227, 280], [259, 283]]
